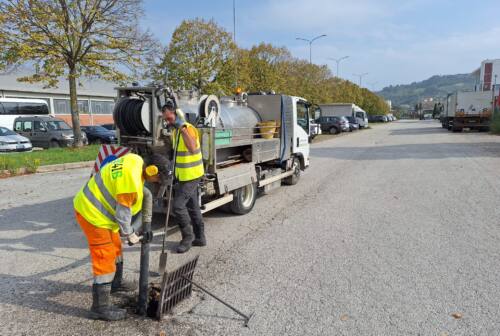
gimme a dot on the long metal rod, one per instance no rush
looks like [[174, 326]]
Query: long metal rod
[[142, 304], [170, 192], [247, 318]]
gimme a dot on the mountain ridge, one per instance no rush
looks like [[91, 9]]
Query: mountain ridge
[[437, 86]]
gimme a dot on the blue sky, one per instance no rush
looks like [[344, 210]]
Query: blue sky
[[396, 42]]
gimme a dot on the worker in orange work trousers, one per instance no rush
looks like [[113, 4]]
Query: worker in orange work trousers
[[104, 208]]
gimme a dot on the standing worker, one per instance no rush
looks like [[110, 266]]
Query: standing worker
[[104, 208], [188, 172]]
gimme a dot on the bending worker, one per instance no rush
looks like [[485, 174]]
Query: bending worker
[[104, 208], [188, 172]]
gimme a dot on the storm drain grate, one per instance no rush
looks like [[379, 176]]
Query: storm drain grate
[[175, 287]]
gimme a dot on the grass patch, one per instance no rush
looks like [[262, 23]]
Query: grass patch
[[32, 160], [495, 124]]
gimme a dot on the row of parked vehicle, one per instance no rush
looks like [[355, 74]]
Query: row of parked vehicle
[[382, 118], [336, 124], [50, 132]]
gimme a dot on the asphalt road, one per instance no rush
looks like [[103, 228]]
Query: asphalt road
[[391, 231]]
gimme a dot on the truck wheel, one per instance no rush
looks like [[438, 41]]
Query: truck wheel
[[243, 199], [333, 130], [54, 144], [293, 179]]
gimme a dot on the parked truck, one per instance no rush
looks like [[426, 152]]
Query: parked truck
[[249, 143], [467, 109], [340, 110]]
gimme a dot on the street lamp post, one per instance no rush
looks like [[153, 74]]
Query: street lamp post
[[360, 77], [310, 44], [338, 60]]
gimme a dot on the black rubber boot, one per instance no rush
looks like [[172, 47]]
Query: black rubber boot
[[119, 284], [187, 239], [199, 235], [101, 304]]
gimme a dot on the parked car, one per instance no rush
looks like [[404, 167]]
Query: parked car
[[353, 123], [99, 134], [333, 125], [379, 118], [10, 141], [111, 127], [46, 131]]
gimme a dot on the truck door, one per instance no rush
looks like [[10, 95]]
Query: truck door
[[301, 129]]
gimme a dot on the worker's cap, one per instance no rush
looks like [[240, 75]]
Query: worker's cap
[[151, 170], [169, 105]]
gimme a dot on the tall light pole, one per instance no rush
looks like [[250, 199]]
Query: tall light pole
[[310, 44], [236, 49], [360, 77], [338, 60]]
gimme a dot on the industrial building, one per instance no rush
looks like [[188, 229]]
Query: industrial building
[[96, 97]]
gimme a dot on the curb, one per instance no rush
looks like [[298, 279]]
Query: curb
[[50, 168], [64, 166]]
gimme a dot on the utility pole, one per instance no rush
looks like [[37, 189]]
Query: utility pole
[[360, 77], [310, 44], [338, 60]]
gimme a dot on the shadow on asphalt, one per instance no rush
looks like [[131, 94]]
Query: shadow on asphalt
[[419, 131], [50, 226], [428, 130], [411, 151], [36, 293]]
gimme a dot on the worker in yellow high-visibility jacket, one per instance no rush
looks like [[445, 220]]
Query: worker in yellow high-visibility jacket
[[188, 173], [104, 208]]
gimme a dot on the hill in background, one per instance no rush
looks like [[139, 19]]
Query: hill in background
[[436, 87]]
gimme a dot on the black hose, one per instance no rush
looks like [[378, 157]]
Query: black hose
[[127, 117]]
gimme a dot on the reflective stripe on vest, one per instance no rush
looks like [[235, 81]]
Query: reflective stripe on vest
[[96, 201], [188, 166], [98, 205]]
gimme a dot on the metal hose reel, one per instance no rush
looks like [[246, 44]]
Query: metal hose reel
[[209, 109], [132, 117]]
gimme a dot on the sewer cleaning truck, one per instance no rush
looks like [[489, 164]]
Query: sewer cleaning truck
[[250, 143]]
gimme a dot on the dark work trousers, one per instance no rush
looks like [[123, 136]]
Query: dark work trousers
[[186, 207]]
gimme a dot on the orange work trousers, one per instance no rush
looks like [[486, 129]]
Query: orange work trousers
[[105, 250]]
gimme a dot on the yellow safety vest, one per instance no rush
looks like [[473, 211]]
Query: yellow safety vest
[[188, 166], [96, 201]]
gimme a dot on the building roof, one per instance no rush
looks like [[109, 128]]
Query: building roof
[[86, 87]]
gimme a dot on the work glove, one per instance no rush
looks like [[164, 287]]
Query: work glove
[[133, 239], [179, 122]]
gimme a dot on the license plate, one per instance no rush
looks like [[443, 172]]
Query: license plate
[[19, 147], [472, 121]]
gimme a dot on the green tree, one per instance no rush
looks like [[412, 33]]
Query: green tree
[[73, 38], [198, 56]]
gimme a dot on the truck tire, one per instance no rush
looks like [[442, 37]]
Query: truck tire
[[293, 179], [333, 130], [243, 199]]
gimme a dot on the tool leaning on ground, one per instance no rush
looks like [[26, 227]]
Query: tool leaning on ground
[[163, 256]]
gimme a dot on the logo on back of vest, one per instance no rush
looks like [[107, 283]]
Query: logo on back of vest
[[117, 168]]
